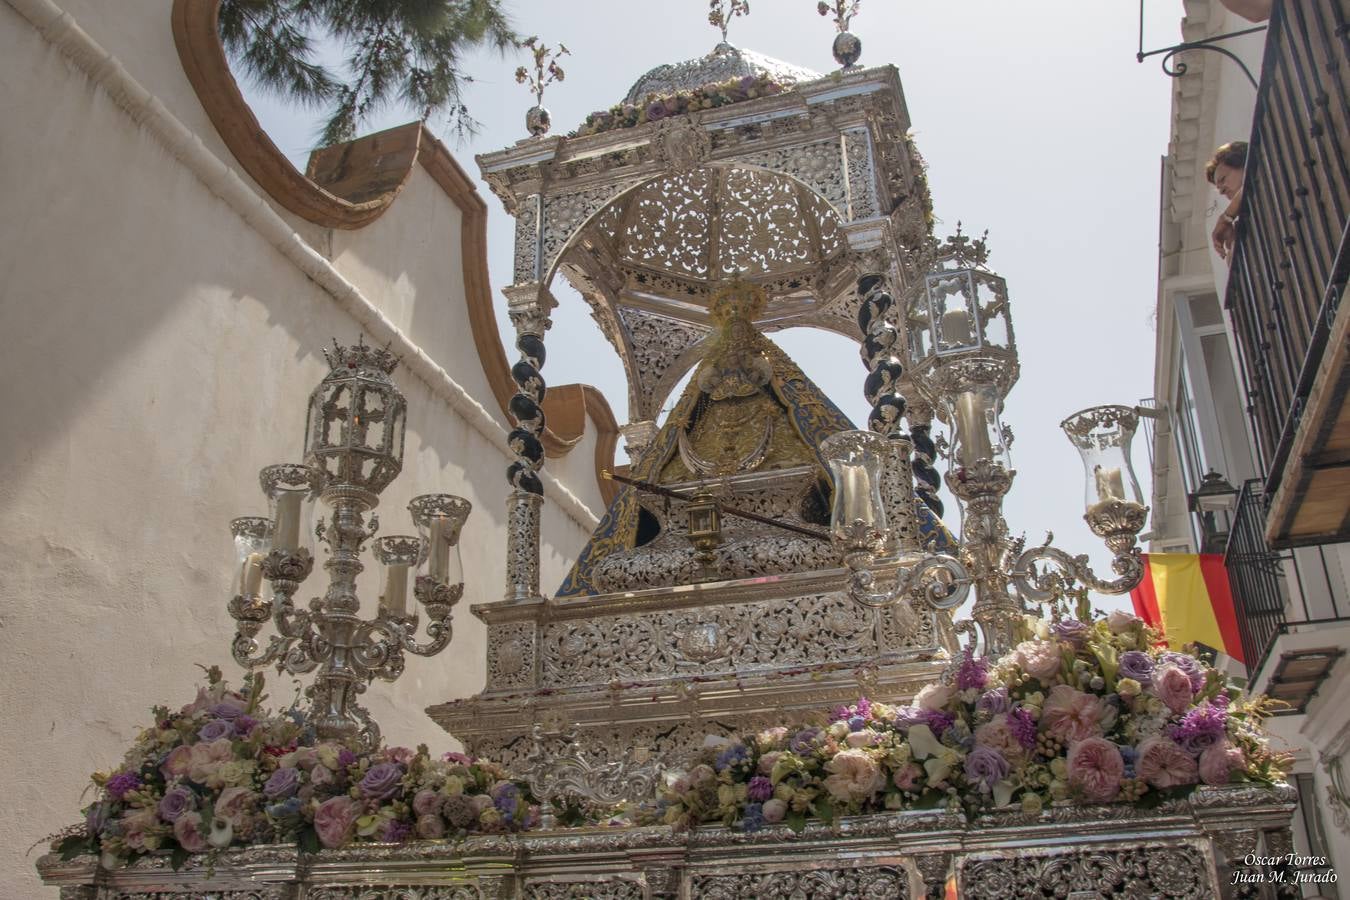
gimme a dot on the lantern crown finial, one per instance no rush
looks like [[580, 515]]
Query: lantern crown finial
[[360, 357], [963, 250]]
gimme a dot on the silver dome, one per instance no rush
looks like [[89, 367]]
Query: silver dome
[[724, 63]]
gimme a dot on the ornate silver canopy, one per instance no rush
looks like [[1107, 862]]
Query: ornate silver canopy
[[798, 192], [724, 63]]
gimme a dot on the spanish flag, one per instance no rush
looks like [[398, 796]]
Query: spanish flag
[[1187, 597]]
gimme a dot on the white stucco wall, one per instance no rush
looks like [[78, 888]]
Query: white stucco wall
[[159, 352]]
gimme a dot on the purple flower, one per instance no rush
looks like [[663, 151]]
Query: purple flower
[[1201, 728], [760, 789], [1023, 727], [1129, 755], [656, 110], [1071, 630], [1188, 664], [972, 673], [96, 816], [803, 741], [856, 723], [215, 730], [748, 81], [346, 758], [506, 797], [731, 756], [395, 832], [244, 724], [227, 710], [176, 801], [283, 783], [122, 783], [1138, 665], [458, 759], [986, 767], [993, 703], [753, 819], [289, 807], [381, 781], [458, 811]]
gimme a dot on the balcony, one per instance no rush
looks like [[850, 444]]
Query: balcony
[[1290, 648], [1289, 273]]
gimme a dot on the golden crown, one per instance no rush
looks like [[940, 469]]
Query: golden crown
[[737, 300]]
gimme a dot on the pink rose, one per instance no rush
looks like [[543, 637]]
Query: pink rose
[[854, 776], [430, 827], [234, 805], [479, 803], [401, 755], [1095, 768], [426, 802], [1039, 659], [766, 762], [1218, 762], [906, 778], [1163, 764], [774, 810], [1071, 715], [207, 758], [864, 738], [135, 825], [178, 763], [1120, 621], [333, 821], [996, 735], [934, 696], [187, 830], [321, 775], [1173, 687]]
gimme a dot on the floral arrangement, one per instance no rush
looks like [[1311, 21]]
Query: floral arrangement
[[1079, 712], [655, 108], [222, 771]]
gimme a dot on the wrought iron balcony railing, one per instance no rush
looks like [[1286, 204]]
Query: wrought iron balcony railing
[[1290, 266], [1256, 576]]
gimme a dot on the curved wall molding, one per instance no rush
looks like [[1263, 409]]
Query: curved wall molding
[[105, 72], [350, 185]]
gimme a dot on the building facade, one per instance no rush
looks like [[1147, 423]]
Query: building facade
[[1251, 376]]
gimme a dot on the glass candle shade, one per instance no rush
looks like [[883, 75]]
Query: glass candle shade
[[855, 459], [398, 554], [291, 490], [977, 432], [952, 310], [439, 518], [1103, 435], [252, 540]]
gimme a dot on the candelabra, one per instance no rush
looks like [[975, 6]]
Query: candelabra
[[353, 451], [963, 360]]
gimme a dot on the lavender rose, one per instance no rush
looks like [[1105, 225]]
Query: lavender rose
[[176, 801], [986, 767], [1138, 665], [995, 702], [381, 781], [1071, 630], [283, 783], [215, 730]]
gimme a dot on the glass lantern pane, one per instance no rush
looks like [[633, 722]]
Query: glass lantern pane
[[951, 305], [993, 308]]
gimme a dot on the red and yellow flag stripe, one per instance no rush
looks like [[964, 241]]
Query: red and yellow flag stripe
[[1187, 597]]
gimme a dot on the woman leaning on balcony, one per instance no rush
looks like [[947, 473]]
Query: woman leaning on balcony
[[1225, 170]]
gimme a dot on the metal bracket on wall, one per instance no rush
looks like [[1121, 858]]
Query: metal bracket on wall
[[1178, 68]]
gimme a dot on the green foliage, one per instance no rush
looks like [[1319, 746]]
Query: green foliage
[[409, 51]]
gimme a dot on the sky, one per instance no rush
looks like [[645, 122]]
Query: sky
[[1037, 124]]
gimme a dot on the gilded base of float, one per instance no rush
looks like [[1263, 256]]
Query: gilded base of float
[[1201, 846]]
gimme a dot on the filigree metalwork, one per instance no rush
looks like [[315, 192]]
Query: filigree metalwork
[[1148, 870], [569, 773]]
